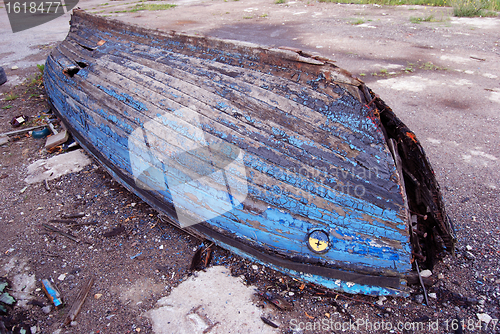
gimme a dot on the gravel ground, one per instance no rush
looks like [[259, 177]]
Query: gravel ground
[[454, 113]]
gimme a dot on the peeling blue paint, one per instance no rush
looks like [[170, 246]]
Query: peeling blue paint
[[290, 204], [125, 98]]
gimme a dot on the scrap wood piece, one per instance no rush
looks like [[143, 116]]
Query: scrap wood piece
[[208, 256], [21, 131], [268, 322], [67, 235], [477, 58], [80, 299], [57, 139], [201, 259]]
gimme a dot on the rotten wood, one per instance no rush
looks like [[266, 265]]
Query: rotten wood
[[201, 258], [80, 299], [412, 278], [67, 235], [285, 110], [268, 322], [476, 58]]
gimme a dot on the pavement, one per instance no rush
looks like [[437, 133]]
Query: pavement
[[441, 76]]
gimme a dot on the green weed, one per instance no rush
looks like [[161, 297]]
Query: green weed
[[357, 22], [11, 97], [417, 20], [460, 7], [490, 13], [150, 7], [5, 298], [471, 8]]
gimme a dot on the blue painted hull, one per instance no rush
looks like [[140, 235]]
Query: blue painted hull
[[277, 156]]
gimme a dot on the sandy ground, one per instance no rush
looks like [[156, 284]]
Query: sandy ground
[[440, 76]]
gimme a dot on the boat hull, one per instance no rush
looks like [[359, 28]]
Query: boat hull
[[278, 156]]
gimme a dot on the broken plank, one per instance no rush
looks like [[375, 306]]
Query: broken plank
[[67, 235], [80, 299]]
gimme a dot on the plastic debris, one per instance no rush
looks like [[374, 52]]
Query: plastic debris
[[136, 255], [38, 134], [52, 293]]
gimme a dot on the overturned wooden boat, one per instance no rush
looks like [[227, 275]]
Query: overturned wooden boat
[[274, 154]]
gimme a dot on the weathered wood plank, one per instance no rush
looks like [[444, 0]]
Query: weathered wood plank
[[324, 166], [350, 243], [258, 143], [365, 229]]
